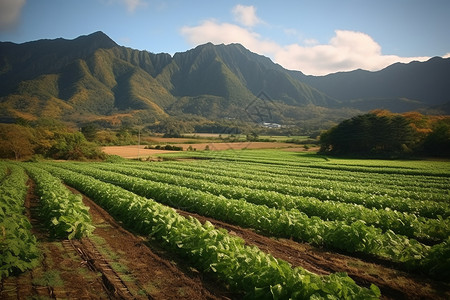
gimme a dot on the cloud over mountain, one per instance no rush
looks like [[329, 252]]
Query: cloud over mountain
[[132, 5], [227, 33], [346, 50], [246, 15]]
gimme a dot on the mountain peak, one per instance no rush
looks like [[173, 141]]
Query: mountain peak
[[213, 81], [96, 40]]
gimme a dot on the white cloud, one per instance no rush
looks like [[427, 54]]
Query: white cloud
[[218, 33], [246, 15], [132, 5], [447, 55], [346, 51], [311, 42], [10, 12]]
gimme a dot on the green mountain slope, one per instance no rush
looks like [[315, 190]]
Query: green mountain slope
[[240, 69], [92, 78], [88, 77], [400, 86]]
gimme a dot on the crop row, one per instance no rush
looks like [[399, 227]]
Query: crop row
[[334, 192], [18, 246], [310, 171], [3, 171], [354, 237], [402, 223], [409, 187], [243, 268], [281, 159], [62, 211], [367, 196]]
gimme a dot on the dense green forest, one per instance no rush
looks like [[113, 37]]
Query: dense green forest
[[384, 134]]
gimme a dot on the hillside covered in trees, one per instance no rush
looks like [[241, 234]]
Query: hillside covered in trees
[[384, 134]]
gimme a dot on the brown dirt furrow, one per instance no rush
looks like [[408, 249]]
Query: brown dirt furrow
[[60, 275], [144, 272], [112, 282], [111, 264], [393, 283]]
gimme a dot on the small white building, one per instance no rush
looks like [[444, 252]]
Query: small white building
[[271, 125]]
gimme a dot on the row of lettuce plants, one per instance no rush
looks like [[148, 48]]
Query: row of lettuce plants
[[18, 246], [424, 208], [402, 223], [377, 179], [289, 183], [243, 268], [285, 159], [63, 212], [356, 237]]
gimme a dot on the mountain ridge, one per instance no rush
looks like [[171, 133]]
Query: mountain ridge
[[91, 77], [424, 81]]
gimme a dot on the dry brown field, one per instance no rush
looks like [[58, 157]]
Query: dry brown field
[[134, 151]]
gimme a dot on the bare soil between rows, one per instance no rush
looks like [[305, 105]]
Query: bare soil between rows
[[393, 283], [61, 274], [112, 264], [117, 264]]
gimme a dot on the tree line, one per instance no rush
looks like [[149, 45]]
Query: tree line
[[381, 133], [45, 138]]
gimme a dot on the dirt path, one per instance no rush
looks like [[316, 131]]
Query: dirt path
[[111, 264], [142, 271], [393, 283]]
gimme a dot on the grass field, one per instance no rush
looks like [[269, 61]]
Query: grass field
[[234, 223]]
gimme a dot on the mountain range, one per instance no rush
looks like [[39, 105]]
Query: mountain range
[[91, 78]]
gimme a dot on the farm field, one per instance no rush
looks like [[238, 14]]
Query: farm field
[[135, 151], [227, 224]]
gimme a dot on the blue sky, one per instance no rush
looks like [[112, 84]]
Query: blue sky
[[314, 36]]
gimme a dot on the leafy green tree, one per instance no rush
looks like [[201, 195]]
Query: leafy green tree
[[402, 136], [90, 132], [171, 127], [437, 143], [253, 136], [73, 145], [370, 135], [124, 136], [16, 141]]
